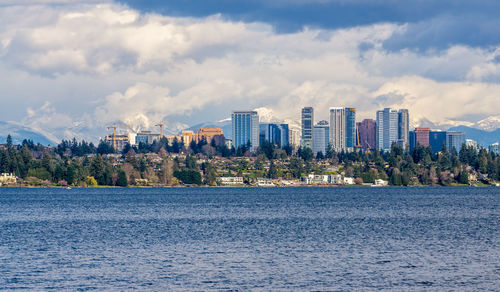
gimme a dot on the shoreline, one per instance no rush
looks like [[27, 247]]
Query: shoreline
[[242, 186]]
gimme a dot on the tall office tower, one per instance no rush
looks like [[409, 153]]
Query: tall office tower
[[337, 128], [454, 140], [387, 128], [245, 128], [350, 128], [422, 136], [321, 137], [294, 137], [307, 127], [403, 128], [277, 134], [367, 134], [437, 139]]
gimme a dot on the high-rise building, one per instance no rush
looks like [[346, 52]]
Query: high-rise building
[[367, 134], [245, 126], [321, 137], [422, 136], [387, 128], [350, 128], [277, 134], [403, 128], [454, 140], [437, 139], [294, 138], [338, 128], [413, 140], [307, 127]]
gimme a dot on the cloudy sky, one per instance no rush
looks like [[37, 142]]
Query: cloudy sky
[[73, 67]]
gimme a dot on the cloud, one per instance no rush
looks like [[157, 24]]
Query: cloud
[[432, 24], [91, 65], [143, 105], [49, 122]]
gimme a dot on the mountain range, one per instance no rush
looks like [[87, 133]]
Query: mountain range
[[19, 133], [483, 137]]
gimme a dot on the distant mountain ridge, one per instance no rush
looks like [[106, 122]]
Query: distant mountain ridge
[[20, 132], [483, 137]]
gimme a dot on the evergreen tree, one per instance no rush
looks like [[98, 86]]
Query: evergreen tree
[[463, 177], [9, 141], [122, 179], [272, 173], [104, 148]]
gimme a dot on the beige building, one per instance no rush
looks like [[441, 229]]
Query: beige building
[[187, 137], [208, 134]]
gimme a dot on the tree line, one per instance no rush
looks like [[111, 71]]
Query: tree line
[[82, 163]]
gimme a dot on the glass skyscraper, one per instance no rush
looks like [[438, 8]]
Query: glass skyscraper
[[403, 128], [321, 138], [245, 128], [277, 134], [454, 140], [350, 127], [307, 127], [338, 128], [387, 128], [437, 139]]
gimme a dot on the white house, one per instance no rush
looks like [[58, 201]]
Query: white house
[[230, 180], [265, 182], [380, 183]]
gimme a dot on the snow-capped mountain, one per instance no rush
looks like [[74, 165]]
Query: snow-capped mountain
[[484, 138], [20, 132], [489, 124]]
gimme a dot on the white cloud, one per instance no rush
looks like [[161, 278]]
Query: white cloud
[[103, 63]]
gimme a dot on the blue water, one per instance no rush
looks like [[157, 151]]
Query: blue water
[[250, 239]]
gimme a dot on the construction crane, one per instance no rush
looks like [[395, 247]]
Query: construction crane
[[358, 139], [161, 124], [114, 127]]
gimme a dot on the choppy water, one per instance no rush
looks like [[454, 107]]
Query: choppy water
[[250, 239]]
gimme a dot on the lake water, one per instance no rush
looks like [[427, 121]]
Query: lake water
[[250, 239]]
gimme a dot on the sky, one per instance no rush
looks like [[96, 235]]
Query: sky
[[71, 68]]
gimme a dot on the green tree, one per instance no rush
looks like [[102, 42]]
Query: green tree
[[122, 179], [104, 148], [210, 174], [396, 179], [190, 162], [305, 153], [100, 171], [273, 172], [267, 148], [40, 173], [463, 177], [296, 167], [188, 176], [9, 141]]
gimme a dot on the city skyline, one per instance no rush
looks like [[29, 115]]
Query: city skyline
[[84, 65]]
